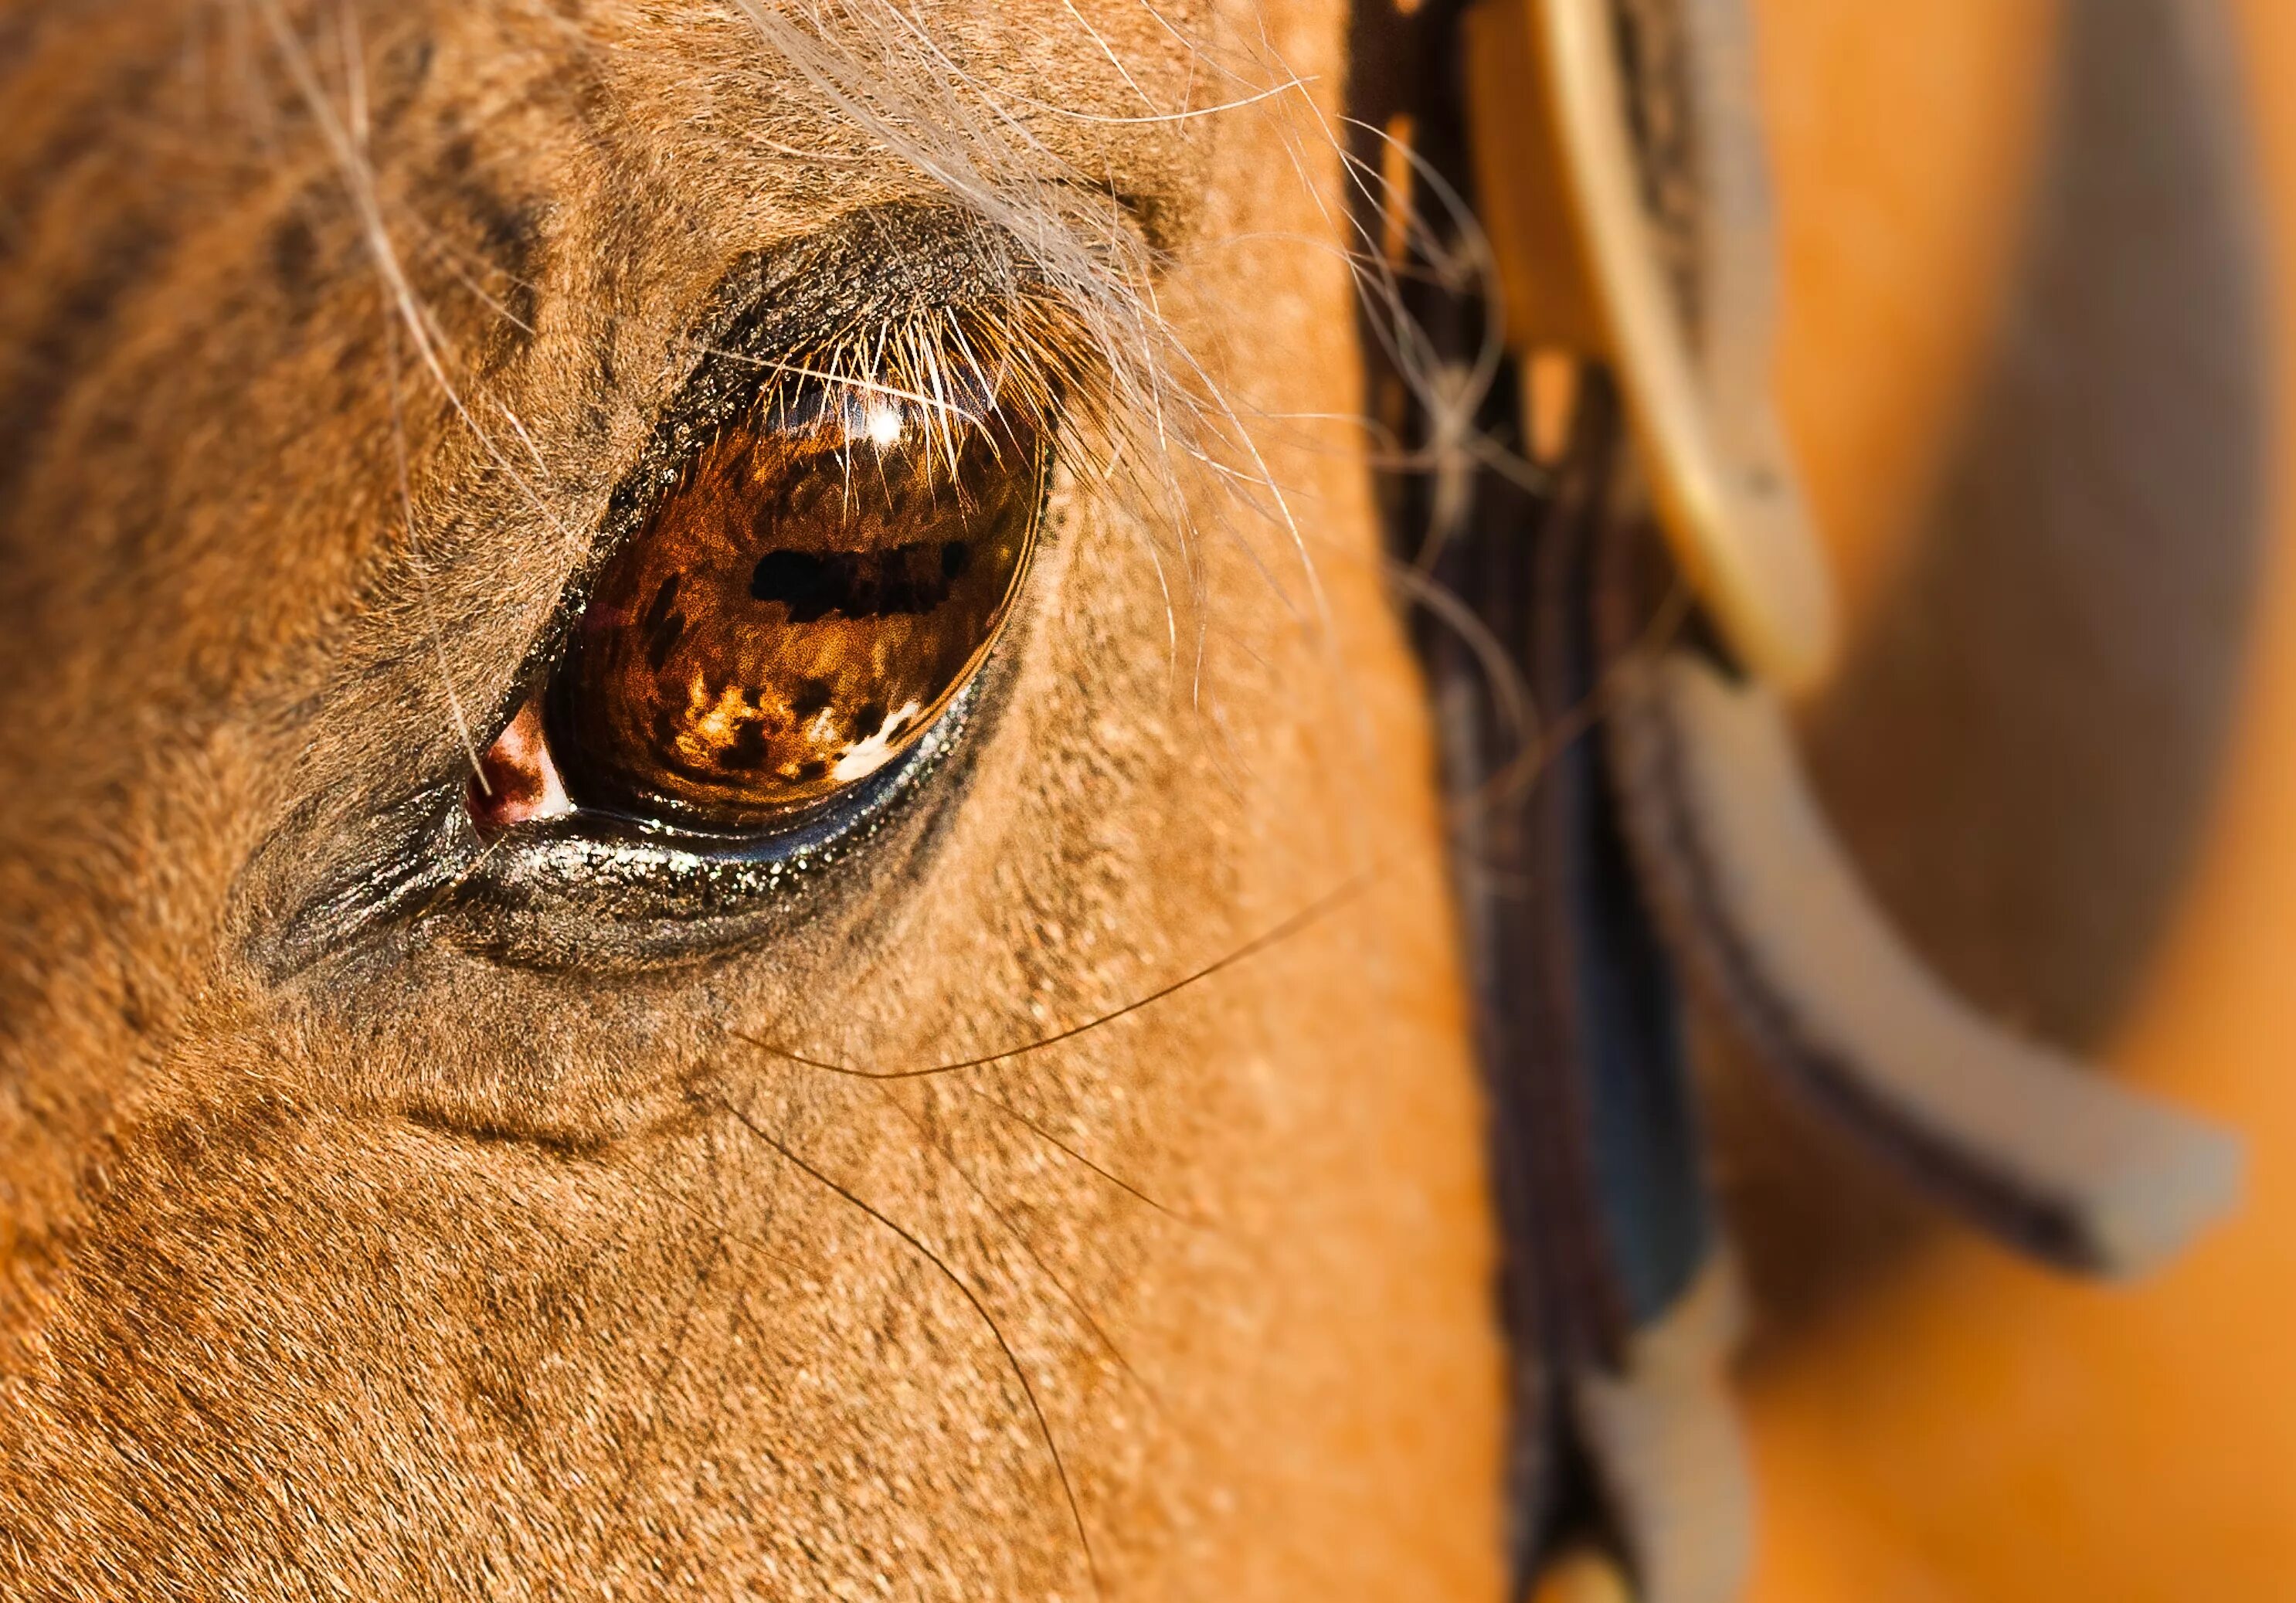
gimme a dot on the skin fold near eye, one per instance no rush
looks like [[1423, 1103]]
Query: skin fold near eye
[[824, 576]]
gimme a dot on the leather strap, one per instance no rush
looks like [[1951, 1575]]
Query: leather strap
[[1634, 588]]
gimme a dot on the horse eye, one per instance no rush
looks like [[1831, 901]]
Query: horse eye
[[821, 581]]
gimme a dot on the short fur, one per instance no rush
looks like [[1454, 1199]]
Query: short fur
[[407, 1265]]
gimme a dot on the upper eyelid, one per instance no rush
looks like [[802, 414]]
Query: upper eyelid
[[961, 364]]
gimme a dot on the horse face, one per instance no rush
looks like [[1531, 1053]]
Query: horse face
[[414, 1190]]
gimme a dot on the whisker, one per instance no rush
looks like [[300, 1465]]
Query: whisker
[[916, 1245], [941, 1145], [422, 567], [1314, 912], [532, 449], [1055, 1142]]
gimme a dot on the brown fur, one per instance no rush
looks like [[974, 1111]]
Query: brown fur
[[458, 1254]]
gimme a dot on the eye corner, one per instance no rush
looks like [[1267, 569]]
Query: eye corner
[[516, 780]]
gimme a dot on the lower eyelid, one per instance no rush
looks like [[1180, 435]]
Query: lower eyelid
[[593, 891]]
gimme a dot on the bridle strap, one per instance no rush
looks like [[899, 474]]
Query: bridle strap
[[1657, 822]]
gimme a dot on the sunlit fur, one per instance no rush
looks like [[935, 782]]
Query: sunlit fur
[[411, 1262]]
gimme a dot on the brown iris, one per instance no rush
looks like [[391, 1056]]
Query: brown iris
[[800, 606]]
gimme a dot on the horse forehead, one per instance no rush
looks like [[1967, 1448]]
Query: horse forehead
[[1108, 93]]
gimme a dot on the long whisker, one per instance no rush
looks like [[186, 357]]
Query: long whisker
[[422, 569], [916, 1245], [1057, 1144], [948, 1154], [1314, 912]]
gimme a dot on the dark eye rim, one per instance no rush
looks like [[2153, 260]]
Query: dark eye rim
[[679, 847], [596, 891], [761, 331]]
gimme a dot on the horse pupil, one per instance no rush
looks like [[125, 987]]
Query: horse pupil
[[792, 616], [857, 583]]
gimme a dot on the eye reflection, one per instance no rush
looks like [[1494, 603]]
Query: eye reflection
[[822, 580]]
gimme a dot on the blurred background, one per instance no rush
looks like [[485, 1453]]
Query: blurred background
[[2040, 316]]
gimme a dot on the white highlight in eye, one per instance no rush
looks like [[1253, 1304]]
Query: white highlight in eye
[[881, 420], [867, 757]]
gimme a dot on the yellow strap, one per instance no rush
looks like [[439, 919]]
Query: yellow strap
[[1582, 1577], [1562, 202]]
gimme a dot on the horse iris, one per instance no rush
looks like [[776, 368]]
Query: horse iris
[[823, 578]]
